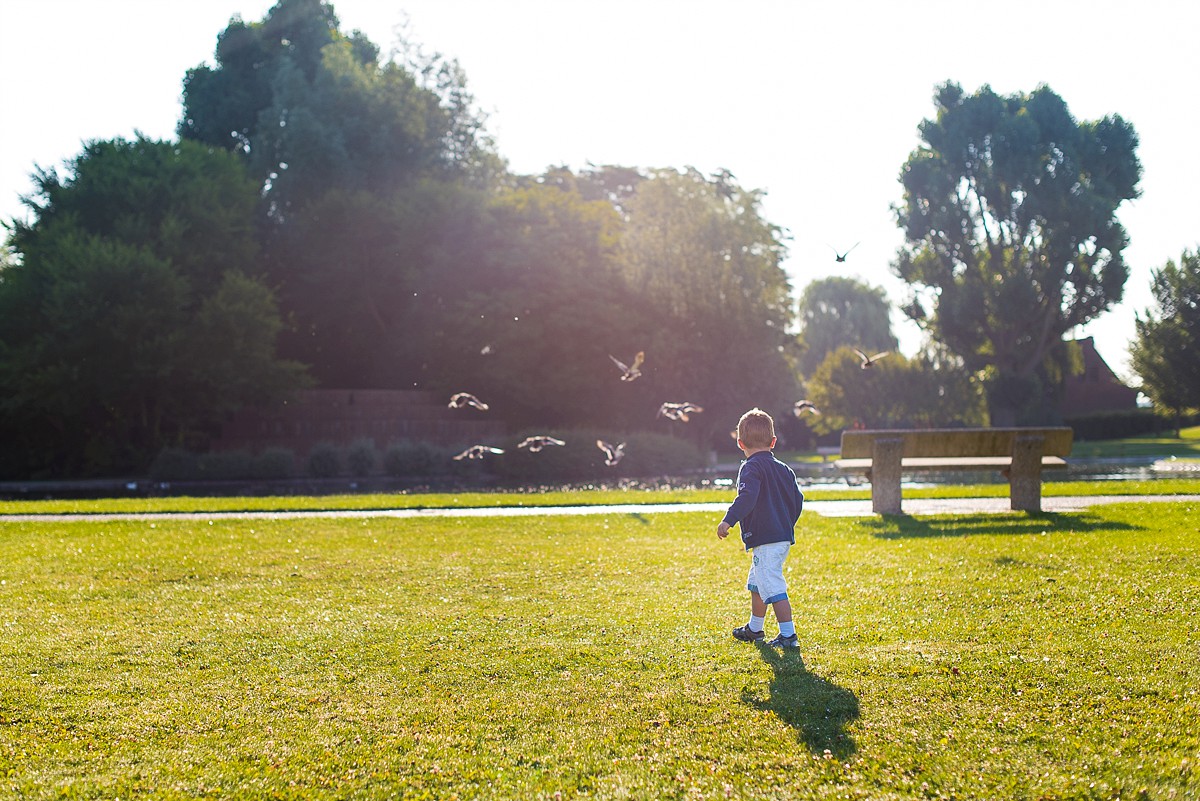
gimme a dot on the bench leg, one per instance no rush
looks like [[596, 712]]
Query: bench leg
[[885, 476], [1025, 475]]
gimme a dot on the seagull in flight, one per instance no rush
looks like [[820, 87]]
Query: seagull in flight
[[461, 400], [678, 411], [840, 257], [612, 453], [803, 406], [478, 452], [869, 361], [535, 444], [630, 372]]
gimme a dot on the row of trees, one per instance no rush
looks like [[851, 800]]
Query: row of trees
[[327, 217]]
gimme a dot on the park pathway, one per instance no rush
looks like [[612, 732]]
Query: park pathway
[[858, 508]]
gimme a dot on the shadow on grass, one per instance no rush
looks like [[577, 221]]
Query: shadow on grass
[[817, 709], [893, 527]]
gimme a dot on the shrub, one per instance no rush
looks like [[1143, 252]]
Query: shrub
[[274, 463], [361, 457], [1119, 425], [324, 460], [175, 464], [658, 454], [226, 465], [407, 459], [646, 454]]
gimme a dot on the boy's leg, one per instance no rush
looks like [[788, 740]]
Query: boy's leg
[[783, 610], [776, 593], [758, 607], [753, 630]]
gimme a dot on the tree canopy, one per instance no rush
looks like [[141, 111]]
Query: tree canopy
[[133, 319], [1009, 213], [314, 110], [929, 390], [1163, 353], [838, 311]]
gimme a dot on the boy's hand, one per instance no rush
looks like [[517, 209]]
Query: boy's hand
[[722, 530]]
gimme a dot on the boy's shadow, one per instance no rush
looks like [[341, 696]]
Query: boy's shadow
[[818, 709]]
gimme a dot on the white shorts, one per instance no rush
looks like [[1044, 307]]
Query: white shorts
[[766, 571]]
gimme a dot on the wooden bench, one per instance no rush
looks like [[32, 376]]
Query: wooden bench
[[1019, 453]]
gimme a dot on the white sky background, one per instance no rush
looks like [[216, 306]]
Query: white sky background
[[815, 103]]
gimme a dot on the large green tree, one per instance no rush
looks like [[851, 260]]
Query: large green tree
[[375, 177], [929, 390], [131, 318], [1009, 212], [1164, 351], [838, 311], [531, 322], [315, 110], [713, 302]]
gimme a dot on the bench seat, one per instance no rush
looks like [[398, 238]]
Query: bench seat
[[915, 463], [1020, 453]]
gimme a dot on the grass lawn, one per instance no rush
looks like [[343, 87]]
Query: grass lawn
[[1185, 446], [981, 656], [590, 497]]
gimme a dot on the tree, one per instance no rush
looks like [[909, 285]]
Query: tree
[[928, 391], [1012, 240], [367, 280], [531, 322], [713, 303], [1163, 353], [314, 110], [375, 177], [131, 319], [838, 311]]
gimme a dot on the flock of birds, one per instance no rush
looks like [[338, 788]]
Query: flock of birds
[[680, 412]]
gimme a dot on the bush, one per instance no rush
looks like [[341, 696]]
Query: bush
[[274, 463], [1119, 425], [660, 455], [408, 459], [646, 454], [324, 460], [361, 457], [175, 464], [226, 465]]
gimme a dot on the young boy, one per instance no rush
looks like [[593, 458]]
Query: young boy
[[767, 506]]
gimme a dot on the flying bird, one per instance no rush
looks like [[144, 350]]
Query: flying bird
[[628, 373], [478, 452], [869, 361], [612, 453], [803, 406], [460, 400], [678, 411], [840, 257], [535, 444]]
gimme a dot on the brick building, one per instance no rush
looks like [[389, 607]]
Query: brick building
[[1097, 388]]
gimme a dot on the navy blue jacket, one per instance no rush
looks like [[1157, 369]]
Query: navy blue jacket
[[768, 501]]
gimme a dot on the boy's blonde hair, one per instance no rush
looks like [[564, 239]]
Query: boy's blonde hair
[[756, 429]]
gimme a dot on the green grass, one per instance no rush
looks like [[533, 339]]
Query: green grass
[[977, 656], [1185, 446], [587, 497]]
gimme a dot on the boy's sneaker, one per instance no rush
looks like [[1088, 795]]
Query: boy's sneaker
[[786, 642], [747, 634]]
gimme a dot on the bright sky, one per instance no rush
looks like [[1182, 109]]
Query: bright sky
[[815, 103]]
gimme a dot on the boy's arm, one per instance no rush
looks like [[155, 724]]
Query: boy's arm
[[749, 483]]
